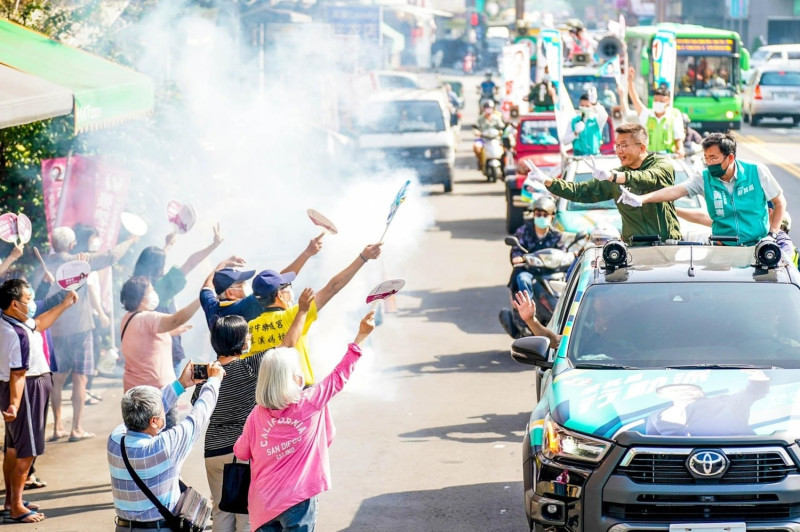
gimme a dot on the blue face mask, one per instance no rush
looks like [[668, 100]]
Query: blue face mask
[[542, 222], [31, 309]]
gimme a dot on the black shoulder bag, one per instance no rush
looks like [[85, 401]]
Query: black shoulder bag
[[193, 510], [122, 334]]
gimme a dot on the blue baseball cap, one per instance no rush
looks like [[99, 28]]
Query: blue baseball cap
[[227, 277], [267, 283]]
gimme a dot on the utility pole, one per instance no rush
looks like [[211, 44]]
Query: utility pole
[[519, 6]]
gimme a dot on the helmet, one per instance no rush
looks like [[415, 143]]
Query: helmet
[[544, 203], [786, 223], [602, 233], [487, 103]]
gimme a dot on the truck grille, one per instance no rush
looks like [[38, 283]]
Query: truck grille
[[674, 513], [752, 467]]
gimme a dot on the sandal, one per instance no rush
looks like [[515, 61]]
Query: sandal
[[84, 436], [22, 518], [34, 483]]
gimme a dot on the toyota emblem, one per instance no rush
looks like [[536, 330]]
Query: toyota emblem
[[707, 464]]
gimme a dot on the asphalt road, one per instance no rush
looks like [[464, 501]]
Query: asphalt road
[[429, 437]]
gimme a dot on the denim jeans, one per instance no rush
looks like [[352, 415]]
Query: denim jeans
[[522, 280], [299, 518]]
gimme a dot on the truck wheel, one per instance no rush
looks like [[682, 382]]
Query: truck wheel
[[754, 120], [448, 186], [514, 217]]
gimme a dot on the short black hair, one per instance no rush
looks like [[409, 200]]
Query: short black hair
[[133, 292], [584, 97], [662, 91], [725, 142], [83, 233], [228, 334], [12, 290], [150, 263]]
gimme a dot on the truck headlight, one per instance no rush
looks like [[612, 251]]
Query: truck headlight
[[729, 115], [559, 442]]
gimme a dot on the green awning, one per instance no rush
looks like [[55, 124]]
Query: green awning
[[105, 93]]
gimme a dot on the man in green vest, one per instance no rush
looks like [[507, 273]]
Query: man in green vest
[[664, 123], [640, 171], [586, 129], [737, 193]]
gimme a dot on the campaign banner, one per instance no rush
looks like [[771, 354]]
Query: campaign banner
[[552, 48], [87, 191], [665, 54], [516, 78], [90, 191]]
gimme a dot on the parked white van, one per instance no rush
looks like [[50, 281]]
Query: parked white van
[[408, 129]]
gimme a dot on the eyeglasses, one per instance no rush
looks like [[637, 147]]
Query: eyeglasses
[[626, 146], [537, 212]]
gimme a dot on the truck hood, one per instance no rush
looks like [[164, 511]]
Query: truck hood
[[576, 221], [696, 402]]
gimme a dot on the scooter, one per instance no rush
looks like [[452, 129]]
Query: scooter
[[492, 154], [549, 267]]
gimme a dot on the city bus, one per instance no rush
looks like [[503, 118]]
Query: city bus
[[708, 74]]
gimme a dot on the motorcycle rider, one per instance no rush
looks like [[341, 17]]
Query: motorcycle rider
[[488, 88], [586, 131], [489, 119], [664, 123], [535, 234]]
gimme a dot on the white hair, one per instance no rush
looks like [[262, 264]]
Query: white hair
[[62, 238], [139, 405], [276, 388]]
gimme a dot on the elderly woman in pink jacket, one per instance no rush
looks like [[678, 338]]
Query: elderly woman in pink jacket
[[287, 435]]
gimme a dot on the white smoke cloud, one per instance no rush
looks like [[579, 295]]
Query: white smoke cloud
[[246, 143]]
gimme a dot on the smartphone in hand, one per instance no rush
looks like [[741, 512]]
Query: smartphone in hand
[[200, 372]]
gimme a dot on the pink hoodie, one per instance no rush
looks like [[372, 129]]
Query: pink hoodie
[[288, 449]]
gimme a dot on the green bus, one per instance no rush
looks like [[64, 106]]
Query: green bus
[[708, 74]]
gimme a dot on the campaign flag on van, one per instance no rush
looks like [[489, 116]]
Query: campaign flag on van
[[665, 56], [516, 78]]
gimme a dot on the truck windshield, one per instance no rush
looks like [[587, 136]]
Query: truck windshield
[[539, 133], [402, 116], [607, 91], [656, 325]]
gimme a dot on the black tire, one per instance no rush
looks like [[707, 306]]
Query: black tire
[[497, 174], [448, 186], [514, 217], [796, 120], [746, 118], [755, 120]]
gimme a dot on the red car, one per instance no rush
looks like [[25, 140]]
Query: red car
[[536, 139]]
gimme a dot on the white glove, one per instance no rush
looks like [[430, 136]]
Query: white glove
[[579, 127], [629, 198], [536, 173], [601, 175], [592, 94]]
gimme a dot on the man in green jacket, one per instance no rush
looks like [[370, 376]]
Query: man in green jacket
[[640, 173]]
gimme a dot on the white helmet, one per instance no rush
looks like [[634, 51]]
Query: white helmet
[[602, 233]]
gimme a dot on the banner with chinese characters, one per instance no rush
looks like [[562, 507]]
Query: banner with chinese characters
[[87, 191], [516, 78], [665, 56]]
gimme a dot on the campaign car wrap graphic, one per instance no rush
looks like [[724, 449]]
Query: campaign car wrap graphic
[[665, 402], [539, 413]]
